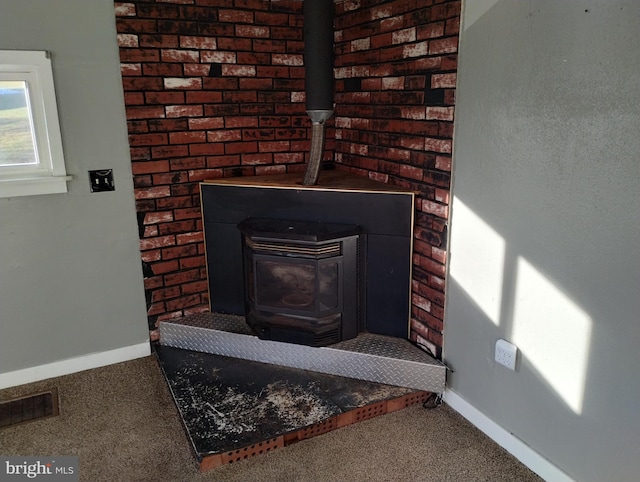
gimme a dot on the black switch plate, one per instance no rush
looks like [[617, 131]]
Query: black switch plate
[[102, 180]]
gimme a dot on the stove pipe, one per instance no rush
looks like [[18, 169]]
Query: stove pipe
[[318, 73]]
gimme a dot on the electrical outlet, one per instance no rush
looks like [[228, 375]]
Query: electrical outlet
[[506, 354]]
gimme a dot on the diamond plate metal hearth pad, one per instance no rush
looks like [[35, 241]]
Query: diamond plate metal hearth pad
[[370, 357]]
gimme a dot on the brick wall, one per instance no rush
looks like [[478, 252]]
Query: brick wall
[[212, 88], [395, 91], [215, 88]]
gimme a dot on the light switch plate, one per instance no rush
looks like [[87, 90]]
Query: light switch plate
[[102, 180]]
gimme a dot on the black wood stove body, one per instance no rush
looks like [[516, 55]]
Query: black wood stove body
[[302, 280], [383, 212]]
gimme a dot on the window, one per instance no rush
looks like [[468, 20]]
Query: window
[[31, 157]]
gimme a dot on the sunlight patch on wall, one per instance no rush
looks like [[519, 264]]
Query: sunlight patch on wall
[[477, 259], [553, 333]]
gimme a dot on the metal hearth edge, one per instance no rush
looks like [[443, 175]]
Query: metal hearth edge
[[375, 358]]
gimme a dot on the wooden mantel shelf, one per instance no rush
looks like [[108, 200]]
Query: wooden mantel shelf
[[334, 180]]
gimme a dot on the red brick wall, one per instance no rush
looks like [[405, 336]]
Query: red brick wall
[[212, 88], [395, 91], [215, 88]]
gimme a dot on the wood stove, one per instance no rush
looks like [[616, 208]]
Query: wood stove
[[302, 280]]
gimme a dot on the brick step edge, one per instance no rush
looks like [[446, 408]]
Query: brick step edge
[[360, 414]]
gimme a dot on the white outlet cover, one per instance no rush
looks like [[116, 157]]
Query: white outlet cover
[[506, 354]]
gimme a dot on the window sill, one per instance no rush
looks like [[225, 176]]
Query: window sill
[[33, 186]]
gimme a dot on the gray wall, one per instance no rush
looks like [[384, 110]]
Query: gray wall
[[70, 276], [546, 220]]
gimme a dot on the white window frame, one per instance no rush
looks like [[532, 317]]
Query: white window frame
[[49, 175]]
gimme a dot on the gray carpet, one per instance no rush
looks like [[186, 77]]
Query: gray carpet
[[121, 422]]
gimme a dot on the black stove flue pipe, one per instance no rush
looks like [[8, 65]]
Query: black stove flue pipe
[[318, 73]]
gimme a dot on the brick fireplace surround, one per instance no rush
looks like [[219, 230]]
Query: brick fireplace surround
[[215, 88]]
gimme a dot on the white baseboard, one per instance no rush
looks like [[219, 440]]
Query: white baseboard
[[73, 365], [512, 444]]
